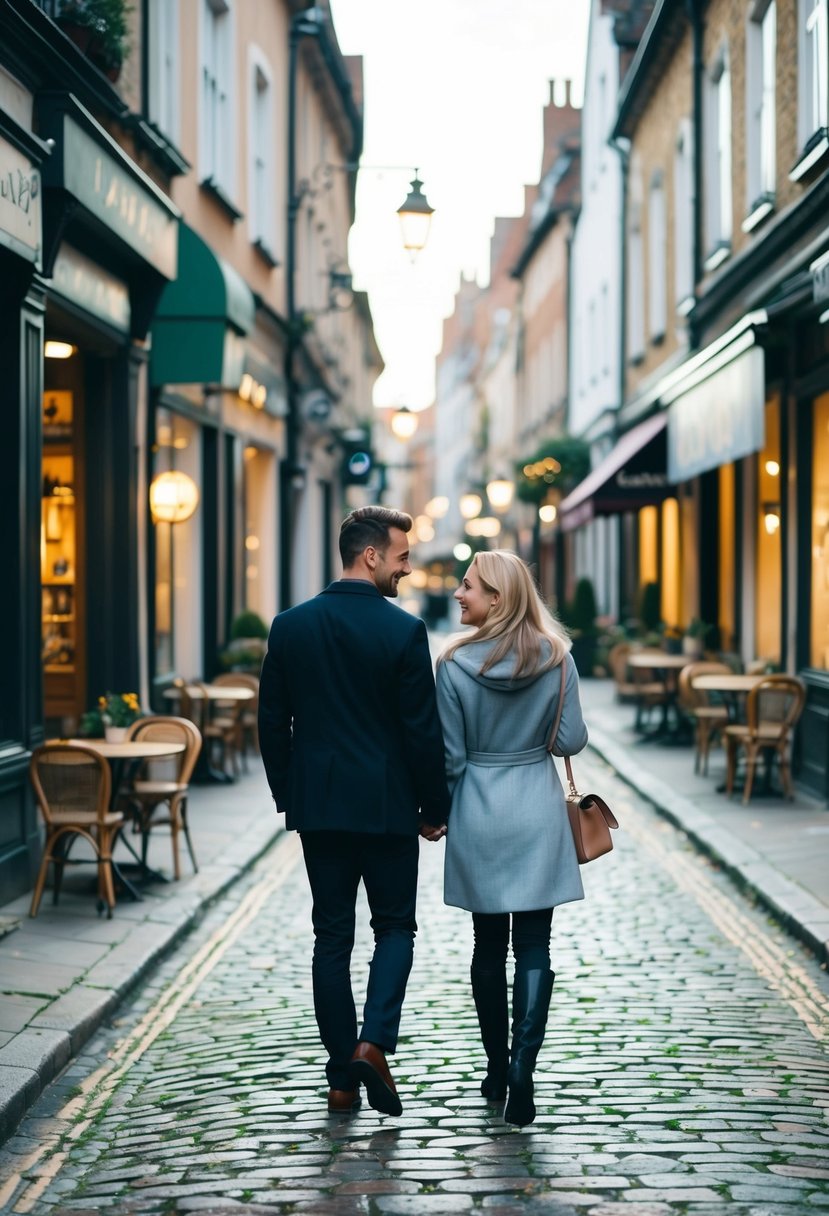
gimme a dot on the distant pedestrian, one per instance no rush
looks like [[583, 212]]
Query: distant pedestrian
[[509, 850], [351, 742]]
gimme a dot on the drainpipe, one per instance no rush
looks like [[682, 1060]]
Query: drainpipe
[[621, 145]]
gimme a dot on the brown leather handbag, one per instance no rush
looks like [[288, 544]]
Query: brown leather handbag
[[590, 817]]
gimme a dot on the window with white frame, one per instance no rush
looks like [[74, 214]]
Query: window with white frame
[[657, 260], [761, 142], [684, 217], [163, 67], [813, 86], [718, 199], [635, 273], [216, 142], [261, 201]]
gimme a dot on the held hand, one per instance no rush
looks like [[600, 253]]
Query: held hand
[[429, 832]]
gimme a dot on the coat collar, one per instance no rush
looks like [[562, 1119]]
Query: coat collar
[[351, 586]]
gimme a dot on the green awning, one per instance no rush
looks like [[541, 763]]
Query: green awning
[[201, 319]]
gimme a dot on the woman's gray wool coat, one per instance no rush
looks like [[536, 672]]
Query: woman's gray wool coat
[[508, 845]]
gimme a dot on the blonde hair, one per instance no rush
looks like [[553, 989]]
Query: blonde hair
[[518, 622]]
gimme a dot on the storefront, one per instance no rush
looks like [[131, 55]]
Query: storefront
[[110, 241], [217, 410], [21, 338]]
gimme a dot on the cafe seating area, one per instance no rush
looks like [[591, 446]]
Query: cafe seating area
[[114, 793], [752, 713]]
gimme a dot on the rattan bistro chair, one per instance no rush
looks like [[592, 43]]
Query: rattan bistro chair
[[164, 783], [247, 722], [72, 786], [773, 708], [708, 718]]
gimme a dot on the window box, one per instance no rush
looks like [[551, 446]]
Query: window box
[[215, 191]]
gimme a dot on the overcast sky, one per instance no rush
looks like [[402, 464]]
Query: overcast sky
[[456, 88]]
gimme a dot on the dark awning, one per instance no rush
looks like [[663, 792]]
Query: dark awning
[[631, 476], [201, 319]]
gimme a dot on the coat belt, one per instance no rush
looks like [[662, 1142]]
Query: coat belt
[[532, 755]]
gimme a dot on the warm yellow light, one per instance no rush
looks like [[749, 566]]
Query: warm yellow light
[[470, 505], [246, 386], [252, 542], [404, 422], [435, 582], [173, 497], [499, 491], [771, 522], [417, 579], [58, 350], [772, 468], [437, 506], [547, 513], [450, 582], [462, 551], [260, 396], [485, 525], [250, 452]]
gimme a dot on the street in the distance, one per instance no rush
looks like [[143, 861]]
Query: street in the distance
[[685, 1067]]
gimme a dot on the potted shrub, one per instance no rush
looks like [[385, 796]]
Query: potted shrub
[[581, 619], [114, 712], [100, 29], [248, 643]]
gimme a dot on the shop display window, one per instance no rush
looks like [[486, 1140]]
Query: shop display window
[[769, 585], [819, 639], [178, 555], [59, 556]]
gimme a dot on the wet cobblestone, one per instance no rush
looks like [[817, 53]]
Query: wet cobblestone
[[685, 1068]]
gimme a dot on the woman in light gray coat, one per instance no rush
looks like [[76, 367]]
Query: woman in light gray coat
[[509, 851]]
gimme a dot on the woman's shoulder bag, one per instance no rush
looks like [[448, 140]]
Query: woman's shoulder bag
[[590, 817]]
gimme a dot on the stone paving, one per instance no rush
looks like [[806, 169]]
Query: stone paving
[[685, 1068]]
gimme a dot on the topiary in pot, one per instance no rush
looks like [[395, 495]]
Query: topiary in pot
[[248, 625], [581, 617]]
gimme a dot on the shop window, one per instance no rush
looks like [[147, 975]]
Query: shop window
[[726, 582], [657, 260], [648, 545], [260, 499], [769, 586], [178, 556], [718, 200], [216, 136], [164, 69], [761, 143], [60, 634], [671, 581], [262, 205], [819, 639]]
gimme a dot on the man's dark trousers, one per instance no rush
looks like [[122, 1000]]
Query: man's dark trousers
[[387, 864]]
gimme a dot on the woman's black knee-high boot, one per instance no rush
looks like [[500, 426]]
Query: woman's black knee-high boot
[[531, 992], [489, 989]]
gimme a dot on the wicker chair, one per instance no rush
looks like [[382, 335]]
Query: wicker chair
[[248, 711], [164, 783], [72, 786], [695, 703], [773, 708]]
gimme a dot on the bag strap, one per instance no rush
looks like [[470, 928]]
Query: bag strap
[[554, 732]]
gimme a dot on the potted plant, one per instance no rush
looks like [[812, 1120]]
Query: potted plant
[[100, 29], [248, 643], [581, 619], [692, 639], [118, 710]]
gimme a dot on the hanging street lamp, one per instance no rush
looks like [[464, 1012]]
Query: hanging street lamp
[[415, 217]]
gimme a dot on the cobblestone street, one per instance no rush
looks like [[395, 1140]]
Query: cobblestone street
[[685, 1068]]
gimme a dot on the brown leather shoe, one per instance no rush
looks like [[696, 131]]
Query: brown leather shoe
[[368, 1064], [344, 1101]]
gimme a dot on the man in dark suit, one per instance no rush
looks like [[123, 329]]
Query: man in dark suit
[[353, 752]]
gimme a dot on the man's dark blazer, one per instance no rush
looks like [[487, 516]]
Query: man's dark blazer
[[348, 721]]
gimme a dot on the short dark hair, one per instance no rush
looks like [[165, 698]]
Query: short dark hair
[[369, 526]]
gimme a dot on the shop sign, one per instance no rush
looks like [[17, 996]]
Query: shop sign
[[119, 199], [20, 216], [719, 420], [89, 286]]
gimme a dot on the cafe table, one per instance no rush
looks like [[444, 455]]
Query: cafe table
[[670, 665], [204, 771], [118, 754], [731, 687]]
